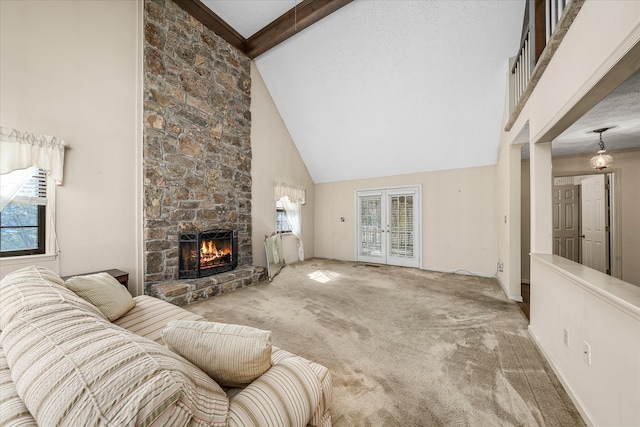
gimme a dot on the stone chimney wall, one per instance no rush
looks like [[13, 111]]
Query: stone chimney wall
[[197, 150]]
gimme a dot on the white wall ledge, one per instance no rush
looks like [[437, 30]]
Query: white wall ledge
[[622, 295], [9, 264]]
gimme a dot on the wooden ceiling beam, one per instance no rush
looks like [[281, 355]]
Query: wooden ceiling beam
[[307, 13], [295, 20]]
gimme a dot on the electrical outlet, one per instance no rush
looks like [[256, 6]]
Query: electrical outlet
[[566, 338], [586, 352], [500, 266]]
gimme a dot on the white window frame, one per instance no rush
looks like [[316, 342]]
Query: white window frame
[[50, 258]]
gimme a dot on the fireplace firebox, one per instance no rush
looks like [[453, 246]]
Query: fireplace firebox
[[208, 252]]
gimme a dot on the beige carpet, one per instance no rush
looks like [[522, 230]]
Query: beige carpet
[[406, 347]]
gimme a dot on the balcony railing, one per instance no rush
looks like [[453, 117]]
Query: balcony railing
[[545, 24]]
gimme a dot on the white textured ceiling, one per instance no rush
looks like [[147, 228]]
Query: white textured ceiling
[[619, 111], [249, 16], [382, 88]]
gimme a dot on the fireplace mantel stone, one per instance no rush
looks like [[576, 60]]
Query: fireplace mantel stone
[[187, 291]]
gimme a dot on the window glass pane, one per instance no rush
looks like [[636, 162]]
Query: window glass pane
[[18, 239], [20, 230], [370, 225], [401, 227], [14, 215], [282, 224]]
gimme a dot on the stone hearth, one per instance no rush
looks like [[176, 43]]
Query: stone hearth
[[187, 291]]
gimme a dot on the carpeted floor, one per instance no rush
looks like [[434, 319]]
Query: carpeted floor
[[406, 347]]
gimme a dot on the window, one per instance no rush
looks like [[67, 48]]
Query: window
[[282, 224], [22, 222]]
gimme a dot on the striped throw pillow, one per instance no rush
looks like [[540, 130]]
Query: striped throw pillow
[[103, 291], [233, 355]]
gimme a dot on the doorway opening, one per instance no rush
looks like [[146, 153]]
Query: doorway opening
[[584, 222]]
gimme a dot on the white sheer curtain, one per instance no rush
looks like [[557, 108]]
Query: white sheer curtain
[[20, 151], [11, 183], [294, 216], [292, 198]]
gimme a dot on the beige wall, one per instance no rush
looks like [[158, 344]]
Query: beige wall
[[600, 50], [274, 157], [73, 69], [458, 218], [607, 391]]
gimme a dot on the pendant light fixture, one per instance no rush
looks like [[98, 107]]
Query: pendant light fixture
[[601, 160]]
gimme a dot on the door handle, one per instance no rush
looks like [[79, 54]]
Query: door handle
[[582, 236]]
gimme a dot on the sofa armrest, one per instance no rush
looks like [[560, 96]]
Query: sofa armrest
[[288, 394], [321, 416]]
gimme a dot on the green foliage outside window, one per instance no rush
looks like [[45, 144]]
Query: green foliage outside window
[[22, 230]]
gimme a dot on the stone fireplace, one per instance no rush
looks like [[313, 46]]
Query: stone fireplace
[[207, 253], [197, 149]]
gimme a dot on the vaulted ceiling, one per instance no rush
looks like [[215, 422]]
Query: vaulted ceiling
[[379, 88]]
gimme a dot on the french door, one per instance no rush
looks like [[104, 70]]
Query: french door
[[389, 226]]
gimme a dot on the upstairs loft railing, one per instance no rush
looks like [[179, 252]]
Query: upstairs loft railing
[[544, 25], [540, 20]]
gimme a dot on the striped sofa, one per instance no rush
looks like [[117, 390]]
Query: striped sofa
[[63, 363]]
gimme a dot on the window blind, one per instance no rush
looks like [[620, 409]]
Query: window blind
[[34, 192]]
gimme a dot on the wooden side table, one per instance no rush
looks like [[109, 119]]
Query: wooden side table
[[119, 275]]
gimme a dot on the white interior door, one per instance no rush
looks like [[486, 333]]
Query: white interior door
[[594, 223], [566, 220], [389, 226]]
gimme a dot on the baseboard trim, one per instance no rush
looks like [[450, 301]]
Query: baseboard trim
[[459, 271], [586, 416], [516, 298]]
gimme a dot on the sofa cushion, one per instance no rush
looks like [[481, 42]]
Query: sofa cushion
[[151, 315], [34, 288], [233, 355], [103, 291]]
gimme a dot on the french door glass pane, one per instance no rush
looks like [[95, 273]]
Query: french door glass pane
[[370, 226], [401, 226]]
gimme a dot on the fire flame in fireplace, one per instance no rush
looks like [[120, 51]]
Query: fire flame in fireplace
[[210, 253]]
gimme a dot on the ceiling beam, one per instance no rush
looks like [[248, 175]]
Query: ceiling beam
[[298, 18]]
